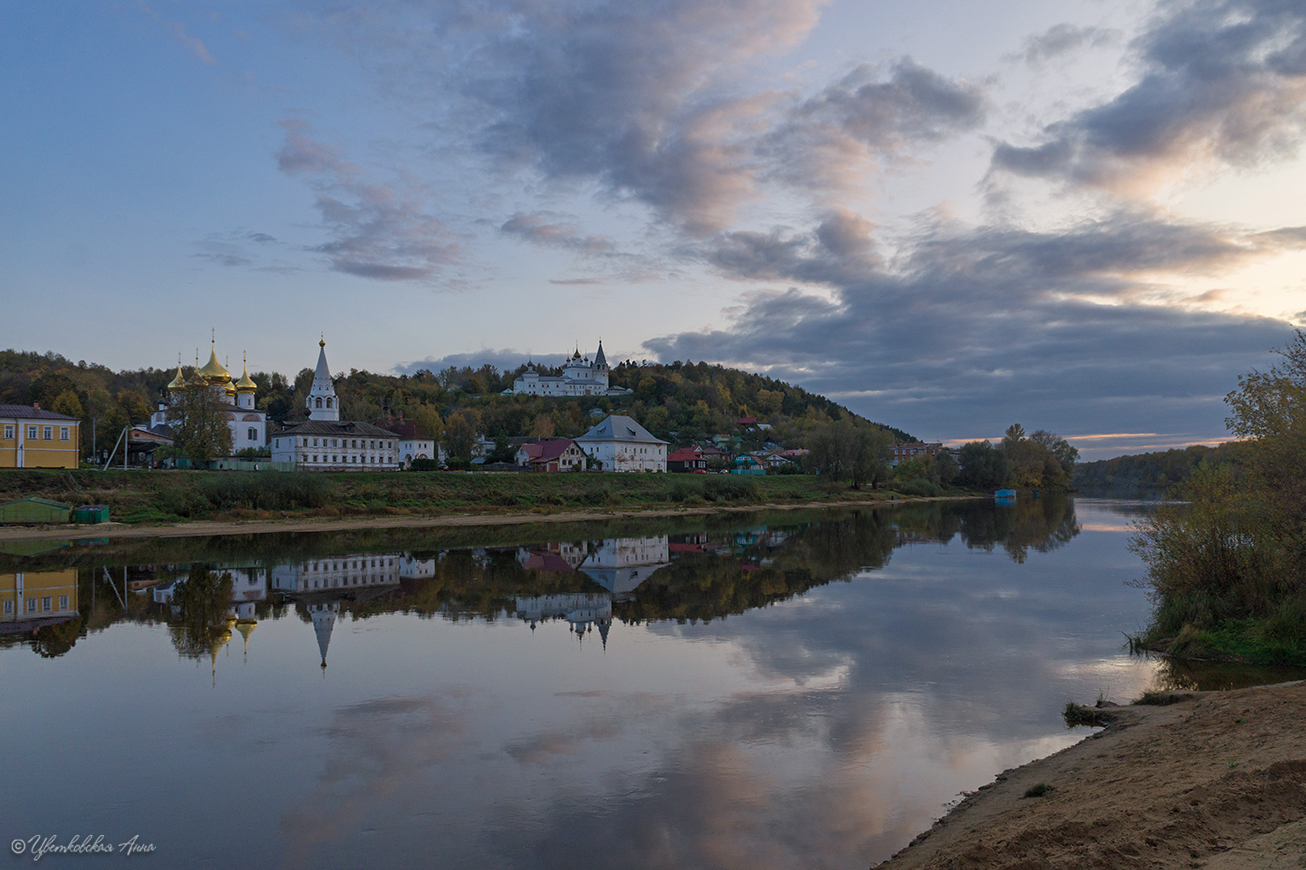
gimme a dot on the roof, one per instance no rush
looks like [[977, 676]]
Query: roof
[[332, 427], [31, 412], [619, 427], [686, 454], [42, 501], [544, 451], [407, 430]]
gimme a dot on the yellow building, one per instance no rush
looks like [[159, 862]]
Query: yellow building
[[37, 596], [32, 438]]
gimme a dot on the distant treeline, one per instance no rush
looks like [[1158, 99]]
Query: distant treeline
[[1153, 474], [680, 401]]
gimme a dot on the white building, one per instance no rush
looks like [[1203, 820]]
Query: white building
[[620, 565], [579, 377], [235, 399], [618, 443], [325, 443]]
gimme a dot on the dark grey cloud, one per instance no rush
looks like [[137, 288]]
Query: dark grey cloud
[[651, 102], [378, 232], [1063, 39], [1221, 80], [972, 329]]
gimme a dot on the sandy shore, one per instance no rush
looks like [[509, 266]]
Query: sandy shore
[[316, 524], [1215, 781]]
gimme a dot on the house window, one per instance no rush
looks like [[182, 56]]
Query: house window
[[63, 433], [9, 607], [253, 434], [48, 433], [31, 605], [9, 433], [63, 602], [31, 433], [45, 604]]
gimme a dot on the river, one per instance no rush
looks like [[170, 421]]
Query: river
[[749, 691]]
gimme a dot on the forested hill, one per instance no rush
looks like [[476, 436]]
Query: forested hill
[[1152, 474], [690, 400]]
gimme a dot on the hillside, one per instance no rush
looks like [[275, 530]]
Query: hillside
[[1152, 474], [677, 402]]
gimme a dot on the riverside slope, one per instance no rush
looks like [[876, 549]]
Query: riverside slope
[[1215, 781]]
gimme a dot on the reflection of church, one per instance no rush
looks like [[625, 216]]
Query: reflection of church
[[619, 565], [234, 398], [352, 571]]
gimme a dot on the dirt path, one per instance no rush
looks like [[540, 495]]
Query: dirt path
[[258, 527], [1217, 781]]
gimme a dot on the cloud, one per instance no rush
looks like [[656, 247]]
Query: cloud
[[543, 229], [975, 327], [830, 140], [378, 232], [1062, 39], [1223, 82], [192, 44]]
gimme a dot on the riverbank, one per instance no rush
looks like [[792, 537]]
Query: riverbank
[[210, 528], [1215, 780]]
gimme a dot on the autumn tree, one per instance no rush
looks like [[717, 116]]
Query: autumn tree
[[199, 423]]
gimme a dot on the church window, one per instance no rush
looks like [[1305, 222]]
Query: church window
[[319, 401], [253, 435], [328, 403]]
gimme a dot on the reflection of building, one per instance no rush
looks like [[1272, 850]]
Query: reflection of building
[[323, 614], [582, 610], [31, 599], [353, 571], [621, 564]]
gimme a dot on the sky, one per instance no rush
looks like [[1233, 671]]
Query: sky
[[949, 216]]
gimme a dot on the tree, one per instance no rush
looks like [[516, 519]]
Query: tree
[[983, 466], [460, 435], [843, 451], [199, 424], [67, 403]]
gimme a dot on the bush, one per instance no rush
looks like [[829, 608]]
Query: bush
[[919, 487], [730, 488]]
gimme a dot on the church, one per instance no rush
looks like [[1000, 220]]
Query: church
[[235, 400], [579, 377], [325, 443]]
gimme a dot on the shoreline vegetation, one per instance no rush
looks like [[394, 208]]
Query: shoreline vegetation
[[206, 503], [1226, 566]]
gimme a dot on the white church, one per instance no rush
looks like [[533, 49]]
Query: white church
[[325, 443], [579, 377], [235, 399]]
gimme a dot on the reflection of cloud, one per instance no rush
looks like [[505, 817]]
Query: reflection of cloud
[[376, 749], [542, 747]]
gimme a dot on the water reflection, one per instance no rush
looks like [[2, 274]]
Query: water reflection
[[793, 690]]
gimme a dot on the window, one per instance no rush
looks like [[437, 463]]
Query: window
[[63, 433], [63, 602], [31, 433], [328, 403], [9, 433], [319, 401], [45, 604], [253, 434], [47, 433], [315, 442], [31, 605], [9, 607]]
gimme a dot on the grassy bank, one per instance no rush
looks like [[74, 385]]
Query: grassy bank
[[162, 497]]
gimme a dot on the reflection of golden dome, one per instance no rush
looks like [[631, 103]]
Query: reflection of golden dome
[[213, 370], [245, 385]]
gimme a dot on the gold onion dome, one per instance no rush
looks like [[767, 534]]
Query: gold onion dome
[[245, 385], [213, 370], [179, 382]]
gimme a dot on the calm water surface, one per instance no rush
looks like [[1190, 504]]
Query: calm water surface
[[761, 691]]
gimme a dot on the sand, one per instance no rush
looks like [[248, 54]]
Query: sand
[[1216, 781]]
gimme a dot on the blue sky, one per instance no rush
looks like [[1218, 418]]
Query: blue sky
[[1080, 216]]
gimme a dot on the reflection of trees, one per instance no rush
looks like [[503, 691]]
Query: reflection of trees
[[1040, 524], [199, 627], [55, 640], [1198, 676]]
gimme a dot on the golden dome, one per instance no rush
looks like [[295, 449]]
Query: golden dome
[[245, 385], [179, 382], [229, 388], [213, 370]]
